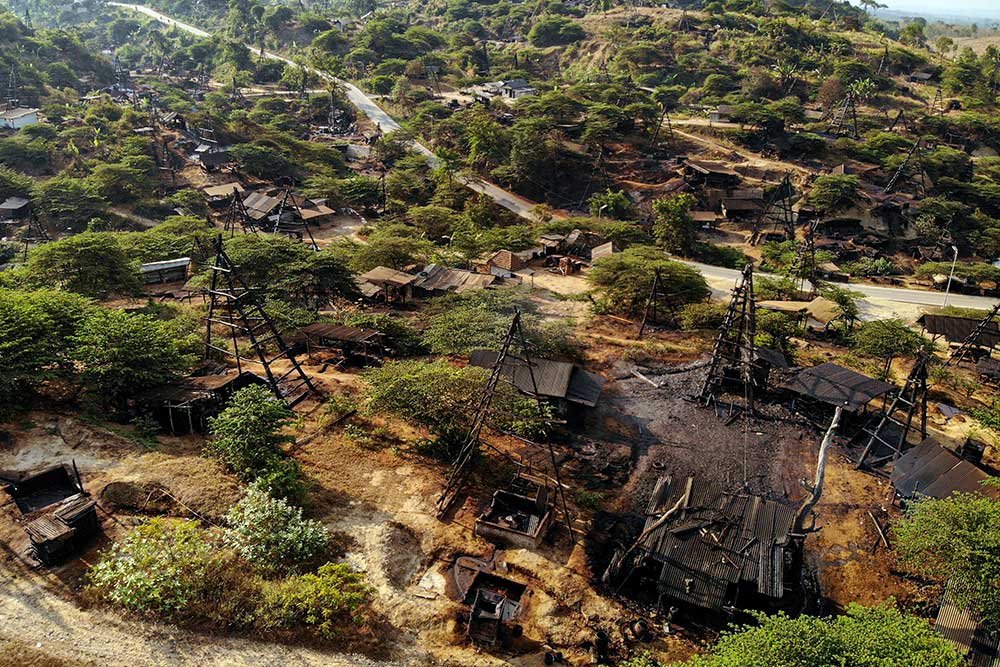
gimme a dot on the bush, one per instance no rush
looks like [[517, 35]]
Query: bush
[[702, 316], [272, 535], [158, 569], [248, 443], [626, 278], [397, 335], [554, 30], [327, 600]]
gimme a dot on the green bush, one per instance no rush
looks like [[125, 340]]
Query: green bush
[[702, 316], [328, 601], [158, 569], [247, 441], [272, 534]]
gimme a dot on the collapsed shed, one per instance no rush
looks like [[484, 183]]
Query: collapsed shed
[[708, 547], [565, 384], [58, 515], [186, 406], [436, 280], [519, 515], [389, 284]]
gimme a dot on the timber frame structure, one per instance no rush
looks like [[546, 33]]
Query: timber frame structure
[[846, 110], [289, 220], [973, 339], [892, 432], [470, 447], [235, 306], [651, 311], [237, 218], [778, 211], [735, 352]]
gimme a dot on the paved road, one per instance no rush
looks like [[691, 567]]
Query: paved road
[[523, 207]]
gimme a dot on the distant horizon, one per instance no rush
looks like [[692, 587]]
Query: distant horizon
[[985, 10]]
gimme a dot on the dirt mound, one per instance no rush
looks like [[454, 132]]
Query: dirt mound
[[138, 498], [180, 485], [402, 554]]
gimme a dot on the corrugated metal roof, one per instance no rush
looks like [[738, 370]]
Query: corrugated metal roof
[[957, 329], [551, 377], [383, 275], [931, 470], [224, 190], [260, 205], [963, 629], [837, 385], [706, 167], [436, 278], [717, 541], [13, 203], [178, 263], [604, 250], [339, 332]]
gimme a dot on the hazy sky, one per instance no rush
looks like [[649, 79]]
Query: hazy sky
[[984, 8]]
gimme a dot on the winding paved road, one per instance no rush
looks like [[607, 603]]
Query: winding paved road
[[523, 207]]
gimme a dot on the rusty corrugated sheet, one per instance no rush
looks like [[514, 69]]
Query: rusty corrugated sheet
[[957, 329], [837, 385]]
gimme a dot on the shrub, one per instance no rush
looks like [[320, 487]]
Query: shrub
[[327, 600], [626, 278], [272, 535], [397, 334], [158, 569], [702, 316], [247, 441]]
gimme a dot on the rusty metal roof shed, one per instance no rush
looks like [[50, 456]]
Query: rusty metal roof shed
[[339, 332], [554, 379], [933, 471], [838, 386], [957, 329]]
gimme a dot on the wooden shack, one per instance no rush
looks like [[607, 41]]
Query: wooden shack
[[186, 406], [57, 514]]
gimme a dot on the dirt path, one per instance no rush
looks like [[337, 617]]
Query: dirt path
[[30, 614], [754, 159]]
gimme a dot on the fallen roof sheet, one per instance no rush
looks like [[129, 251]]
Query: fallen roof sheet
[[706, 167], [957, 329], [931, 470], [436, 278], [837, 385], [152, 267], [718, 539]]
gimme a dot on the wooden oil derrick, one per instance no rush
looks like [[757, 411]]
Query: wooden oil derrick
[[35, 234], [290, 222], [972, 340], [656, 301], [13, 88], [237, 218], [900, 118], [236, 307], [938, 106], [778, 211], [470, 446], [804, 266], [845, 117], [893, 432], [904, 167], [734, 352]]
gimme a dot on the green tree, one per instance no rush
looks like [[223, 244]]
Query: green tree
[[887, 339], [862, 637], [674, 228], [247, 439], [832, 192], [69, 203], [626, 278], [123, 355], [92, 264], [611, 204], [553, 30]]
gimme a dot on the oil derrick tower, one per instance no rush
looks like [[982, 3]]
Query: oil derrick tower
[[777, 212], [938, 106], [237, 218], [892, 432], [512, 356], [900, 118], [13, 87], [289, 220], [973, 340], [235, 307], [656, 302], [35, 234], [735, 352], [804, 266], [845, 118], [904, 171]]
